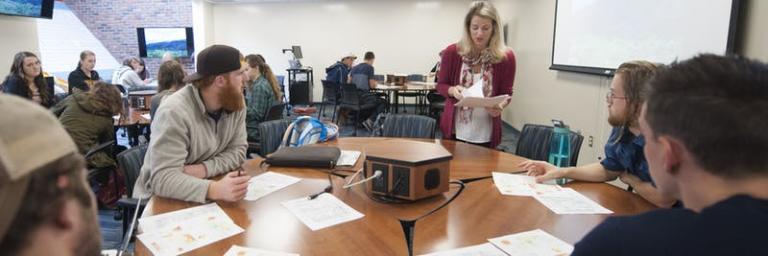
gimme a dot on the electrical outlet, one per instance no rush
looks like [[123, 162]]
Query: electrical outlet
[[591, 141]]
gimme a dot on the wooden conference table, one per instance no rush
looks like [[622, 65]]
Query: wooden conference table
[[477, 214], [413, 86]]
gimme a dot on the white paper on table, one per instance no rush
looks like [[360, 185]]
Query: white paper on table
[[481, 102], [189, 235], [161, 221], [568, 201], [534, 242], [485, 249], [146, 116], [245, 251], [521, 185], [264, 184], [324, 211]]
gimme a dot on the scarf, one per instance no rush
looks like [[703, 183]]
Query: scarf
[[483, 59]]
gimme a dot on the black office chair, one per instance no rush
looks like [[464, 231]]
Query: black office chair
[[130, 161], [408, 126], [351, 99], [379, 78], [330, 97], [105, 147], [271, 134], [436, 104], [275, 112], [417, 96], [535, 139]]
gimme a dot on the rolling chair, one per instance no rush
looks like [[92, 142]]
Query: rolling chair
[[535, 139], [408, 126]]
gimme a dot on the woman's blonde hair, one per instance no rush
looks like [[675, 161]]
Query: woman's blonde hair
[[486, 10]]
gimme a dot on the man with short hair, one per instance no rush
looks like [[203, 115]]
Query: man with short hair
[[624, 157], [362, 76], [339, 72], [705, 126], [47, 207], [199, 133]]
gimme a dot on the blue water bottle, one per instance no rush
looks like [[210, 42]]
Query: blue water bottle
[[560, 148]]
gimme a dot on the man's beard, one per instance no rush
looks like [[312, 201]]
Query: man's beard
[[616, 120], [232, 99], [90, 236]]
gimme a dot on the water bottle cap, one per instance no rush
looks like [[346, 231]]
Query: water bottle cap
[[562, 129]]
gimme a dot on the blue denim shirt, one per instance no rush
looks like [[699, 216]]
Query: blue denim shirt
[[626, 154]]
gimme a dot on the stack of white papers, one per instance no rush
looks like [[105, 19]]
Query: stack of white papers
[[534, 242], [521, 185], [244, 251], [473, 97], [262, 185], [568, 201], [324, 211], [485, 249], [186, 230]]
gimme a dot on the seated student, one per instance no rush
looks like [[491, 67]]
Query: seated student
[[624, 151], [704, 124], [339, 72], [261, 93], [362, 76], [26, 80], [170, 78], [127, 76], [83, 77], [199, 134], [87, 117], [47, 208]]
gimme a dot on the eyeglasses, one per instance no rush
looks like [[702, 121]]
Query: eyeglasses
[[610, 96]]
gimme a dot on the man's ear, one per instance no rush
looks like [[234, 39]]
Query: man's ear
[[67, 215], [672, 154], [219, 81]]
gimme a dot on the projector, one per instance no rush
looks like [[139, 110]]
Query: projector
[[410, 170]]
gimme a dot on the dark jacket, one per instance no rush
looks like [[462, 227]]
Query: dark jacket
[[337, 73], [77, 79], [16, 86], [89, 125]]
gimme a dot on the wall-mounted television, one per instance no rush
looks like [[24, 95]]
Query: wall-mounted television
[[28, 8], [155, 42]]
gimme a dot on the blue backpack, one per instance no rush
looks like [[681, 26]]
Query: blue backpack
[[308, 130]]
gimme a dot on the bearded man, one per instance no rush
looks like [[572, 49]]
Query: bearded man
[[624, 157], [198, 133]]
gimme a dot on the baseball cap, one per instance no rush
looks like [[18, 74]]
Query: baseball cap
[[348, 55], [214, 60], [30, 138]]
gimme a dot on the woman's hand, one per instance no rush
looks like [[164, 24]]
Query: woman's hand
[[456, 92], [495, 111]]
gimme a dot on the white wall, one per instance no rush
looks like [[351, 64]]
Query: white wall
[[18, 34], [542, 94], [406, 36]]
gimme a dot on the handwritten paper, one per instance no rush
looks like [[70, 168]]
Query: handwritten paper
[[521, 185], [568, 201], [264, 184], [162, 221], [485, 249], [244, 251], [324, 211], [182, 237], [534, 242]]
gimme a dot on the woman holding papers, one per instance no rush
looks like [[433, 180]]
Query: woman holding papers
[[481, 66]]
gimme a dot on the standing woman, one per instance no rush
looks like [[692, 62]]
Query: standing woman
[[83, 77], [261, 93], [479, 55], [26, 80]]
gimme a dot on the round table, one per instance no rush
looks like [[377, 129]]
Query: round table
[[479, 213]]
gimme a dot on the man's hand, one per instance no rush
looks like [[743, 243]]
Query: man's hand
[[195, 170], [230, 188], [543, 171]]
